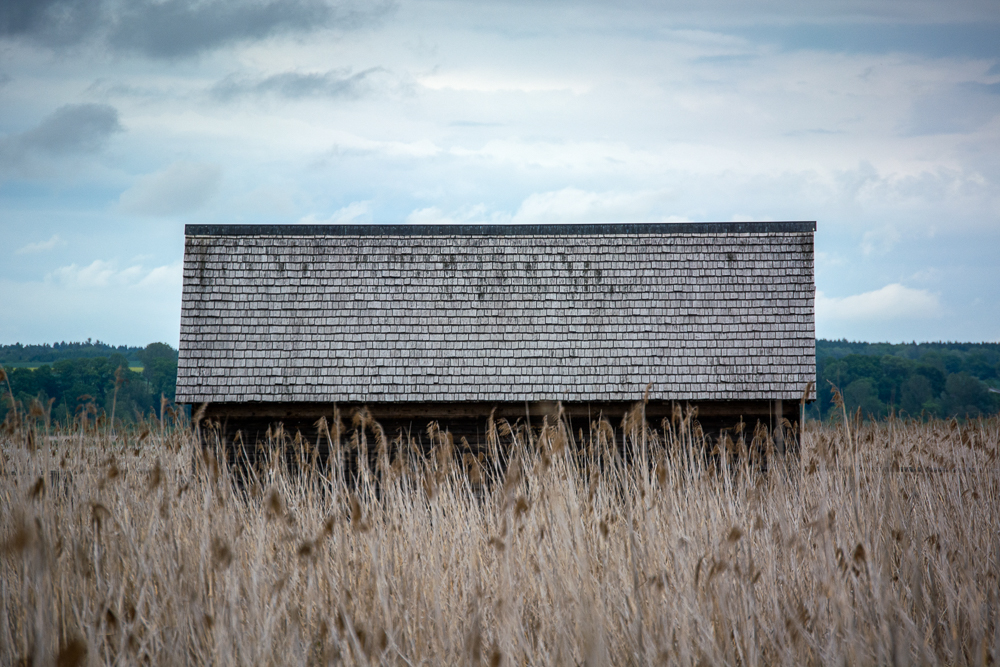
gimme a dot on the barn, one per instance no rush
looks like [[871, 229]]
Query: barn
[[452, 322]]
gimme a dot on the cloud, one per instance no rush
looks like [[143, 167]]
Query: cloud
[[892, 302], [352, 145], [958, 108], [181, 27], [358, 212], [180, 188], [575, 205], [175, 28], [105, 274], [133, 305], [70, 129], [74, 128], [432, 215], [472, 123], [168, 276], [917, 188], [569, 205], [96, 274], [880, 241], [293, 85], [49, 22], [41, 246], [827, 260], [495, 82]]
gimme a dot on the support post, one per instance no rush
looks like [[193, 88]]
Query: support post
[[779, 431]]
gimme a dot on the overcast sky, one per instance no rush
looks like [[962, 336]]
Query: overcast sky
[[122, 120]]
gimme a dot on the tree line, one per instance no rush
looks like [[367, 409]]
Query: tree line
[[28, 355], [64, 387], [913, 379]]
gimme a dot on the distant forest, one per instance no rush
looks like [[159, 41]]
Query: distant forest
[[12, 356], [66, 378], [914, 379]]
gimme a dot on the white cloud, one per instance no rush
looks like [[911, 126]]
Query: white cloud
[[358, 212], [879, 241], [580, 156], [132, 306], [348, 144], [928, 275], [180, 188], [41, 246], [892, 302], [568, 205], [167, 276], [128, 304], [97, 274], [496, 82], [743, 217], [431, 215], [829, 262], [575, 205], [101, 274], [477, 214]]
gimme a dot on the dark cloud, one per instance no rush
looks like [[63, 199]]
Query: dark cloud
[[74, 128], [335, 83], [50, 22], [181, 27], [175, 28], [70, 129]]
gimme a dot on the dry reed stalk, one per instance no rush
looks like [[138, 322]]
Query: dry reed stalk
[[878, 544]]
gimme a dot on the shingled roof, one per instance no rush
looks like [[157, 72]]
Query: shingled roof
[[405, 313]]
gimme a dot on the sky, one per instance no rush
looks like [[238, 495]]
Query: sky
[[122, 121]]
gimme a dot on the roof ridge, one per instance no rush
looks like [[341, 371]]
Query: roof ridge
[[602, 229]]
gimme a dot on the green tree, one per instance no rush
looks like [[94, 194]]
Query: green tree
[[895, 371], [982, 365], [915, 392], [933, 375], [156, 351], [73, 383], [965, 395], [159, 362], [862, 394], [162, 377]]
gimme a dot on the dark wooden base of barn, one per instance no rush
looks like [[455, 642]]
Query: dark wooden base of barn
[[469, 420]]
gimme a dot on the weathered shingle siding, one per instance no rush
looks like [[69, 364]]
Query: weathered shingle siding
[[580, 317]]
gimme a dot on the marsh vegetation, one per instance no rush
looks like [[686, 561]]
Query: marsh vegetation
[[877, 544]]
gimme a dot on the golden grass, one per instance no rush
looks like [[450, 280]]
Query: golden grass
[[877, 547]]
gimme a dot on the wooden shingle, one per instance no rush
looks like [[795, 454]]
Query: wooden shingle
[[699, 311]]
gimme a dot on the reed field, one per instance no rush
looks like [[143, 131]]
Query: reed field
[[626, 543]]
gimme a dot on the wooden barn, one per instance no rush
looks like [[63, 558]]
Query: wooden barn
[[449, 323]]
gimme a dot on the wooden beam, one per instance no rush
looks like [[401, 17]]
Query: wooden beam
[[471, 410]]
